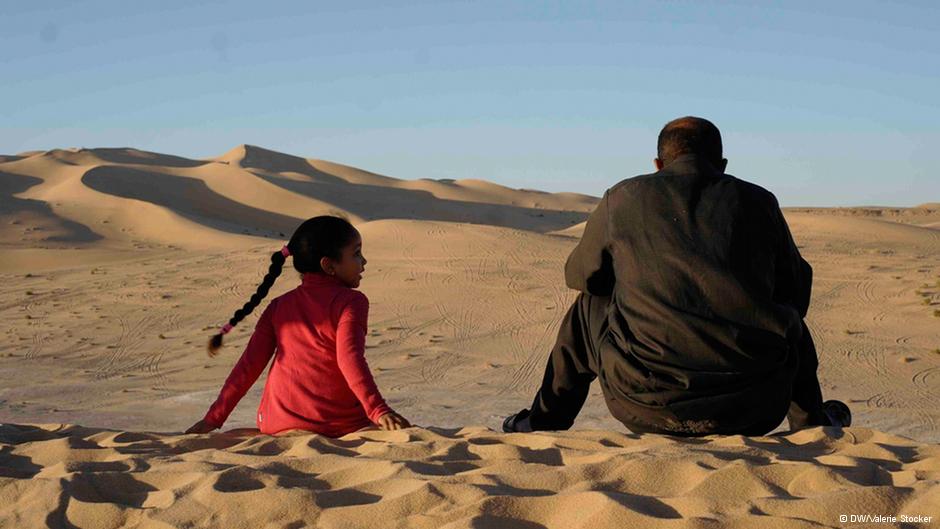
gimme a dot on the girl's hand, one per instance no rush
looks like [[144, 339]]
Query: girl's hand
[[201, 427], [393, 421]]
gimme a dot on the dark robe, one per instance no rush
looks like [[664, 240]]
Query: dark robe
[[703, 292]]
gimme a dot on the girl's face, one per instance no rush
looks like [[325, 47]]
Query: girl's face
[[351, 264]]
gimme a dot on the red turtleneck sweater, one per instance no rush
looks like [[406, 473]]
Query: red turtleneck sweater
[[319, 380]]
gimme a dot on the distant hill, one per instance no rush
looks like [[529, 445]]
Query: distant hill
[[97, 196]]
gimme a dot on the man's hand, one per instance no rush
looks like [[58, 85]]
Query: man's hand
[[393, 421], [201, 427]]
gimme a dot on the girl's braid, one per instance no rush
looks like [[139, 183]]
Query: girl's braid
[[277, 264]]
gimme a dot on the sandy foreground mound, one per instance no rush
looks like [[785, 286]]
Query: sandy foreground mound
[[118, 264], [71, 476]]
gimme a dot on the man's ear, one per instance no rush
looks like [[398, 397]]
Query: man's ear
[[658, 164], [326, 264], [723, 165]]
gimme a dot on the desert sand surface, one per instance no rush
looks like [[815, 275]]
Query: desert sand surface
[[118, 265]]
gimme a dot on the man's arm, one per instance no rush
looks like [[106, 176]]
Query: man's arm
[[794, 276], [590, 267]]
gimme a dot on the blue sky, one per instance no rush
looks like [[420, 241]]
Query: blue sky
[[823, 103]]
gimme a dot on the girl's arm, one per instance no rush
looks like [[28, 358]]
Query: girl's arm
[[350, 356], [257, 354]]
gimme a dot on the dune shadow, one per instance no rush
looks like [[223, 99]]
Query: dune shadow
[[190, 198], [345, 498], [126, 155], [731, 455], [785, 449], [277, 162], [132, 437], [868, 471], [237, 479], [458, 452], [156, 445], [108, 487], [24, 433], [905, 454], [484, 441], [17, 466], [488, 521], [27, 433], [291, 478], [648, 505], [443, 468], [613, 444], [39, 212], [542, 456], [328, 446], [444, 431], [104, 466], [373, 202], [503, 489], [268, 447]]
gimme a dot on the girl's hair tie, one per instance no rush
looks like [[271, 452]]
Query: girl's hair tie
[[225, 328], [285, 251]]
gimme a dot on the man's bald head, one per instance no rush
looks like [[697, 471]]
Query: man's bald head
[[690, 135]]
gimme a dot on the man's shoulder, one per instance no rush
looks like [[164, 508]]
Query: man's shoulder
[[749, 190], [632, 183], [753, 191]]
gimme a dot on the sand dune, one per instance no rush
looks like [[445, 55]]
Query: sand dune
[[72, 195], [120, 156], [42, 221], [118, 264], [189, 198], [370, 196], [928, 213], [866, 231], [70, 476], [477, 191]]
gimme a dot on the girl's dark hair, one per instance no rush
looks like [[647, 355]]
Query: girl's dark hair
[[319, 237]]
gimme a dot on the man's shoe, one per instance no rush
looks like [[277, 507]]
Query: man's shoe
[[518, 422], [838, 413]]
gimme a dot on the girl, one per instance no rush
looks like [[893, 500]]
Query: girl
[[319, 380]]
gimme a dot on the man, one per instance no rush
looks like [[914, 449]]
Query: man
[[691, 310]]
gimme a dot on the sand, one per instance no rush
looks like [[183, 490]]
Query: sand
[[118, 264], [62, 476]]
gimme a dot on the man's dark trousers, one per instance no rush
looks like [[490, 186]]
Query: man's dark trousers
[[578, 358]]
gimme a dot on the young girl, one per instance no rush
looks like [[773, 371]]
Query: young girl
[[319, 380]]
